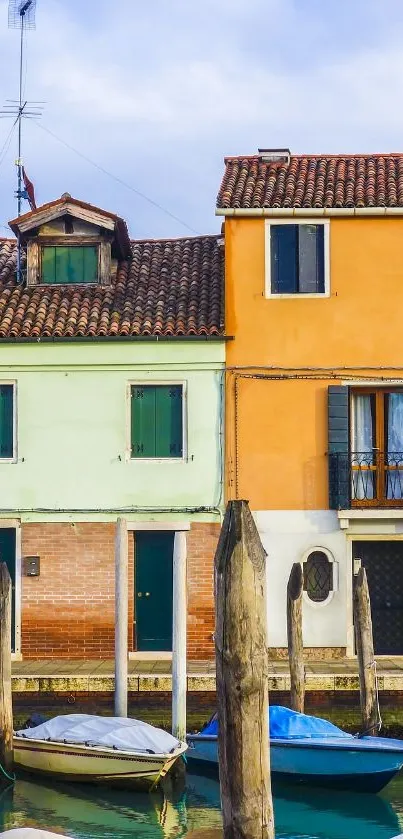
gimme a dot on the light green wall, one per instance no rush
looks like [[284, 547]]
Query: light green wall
[[73, 429]]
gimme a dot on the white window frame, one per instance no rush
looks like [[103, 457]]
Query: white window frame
[[14, 458], [326, 243], [319, 604], [155, 383]]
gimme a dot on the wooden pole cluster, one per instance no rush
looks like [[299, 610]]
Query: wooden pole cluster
[[295, 640], [6, 705], [242, 678], [179, 637], [365, 654], [121, 617]]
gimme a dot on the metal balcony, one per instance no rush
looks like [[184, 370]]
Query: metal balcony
[[369, 479]]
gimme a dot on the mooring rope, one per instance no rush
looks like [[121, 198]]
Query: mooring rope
[[11, 778], [377, 725]]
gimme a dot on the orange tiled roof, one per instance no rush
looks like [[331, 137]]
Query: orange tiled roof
[[170, 287], [313, 181]]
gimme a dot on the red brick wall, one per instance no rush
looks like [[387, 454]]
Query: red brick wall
[[201, 544], [68, 611]]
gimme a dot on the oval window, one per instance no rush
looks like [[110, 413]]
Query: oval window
[[318, 576]]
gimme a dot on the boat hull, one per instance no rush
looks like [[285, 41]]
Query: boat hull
[[95, 765], [365, 765]]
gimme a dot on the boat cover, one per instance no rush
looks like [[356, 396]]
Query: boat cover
[[287, 724], [113, 732]]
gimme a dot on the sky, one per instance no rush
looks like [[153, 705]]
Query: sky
[[156, 93]]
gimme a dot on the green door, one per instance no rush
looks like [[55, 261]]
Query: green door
[[7, 555], [153, 589]]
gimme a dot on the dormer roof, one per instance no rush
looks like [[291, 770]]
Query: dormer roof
[[26, 225]]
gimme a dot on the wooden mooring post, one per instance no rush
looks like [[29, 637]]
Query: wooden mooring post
[[6, 704], [121, 617], [242, 677], [295, 640], [365, 654]]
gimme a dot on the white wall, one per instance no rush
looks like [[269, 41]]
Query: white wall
[[286, 536]]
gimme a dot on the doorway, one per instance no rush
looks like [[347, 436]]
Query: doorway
[[8, 555], [153, 591], [383, 562]]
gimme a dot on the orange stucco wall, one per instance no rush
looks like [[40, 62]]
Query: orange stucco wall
[[277, 428]]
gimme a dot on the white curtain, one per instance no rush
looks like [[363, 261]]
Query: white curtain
[[362, 448], [394, 460]]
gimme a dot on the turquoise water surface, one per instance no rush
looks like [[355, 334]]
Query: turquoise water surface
[[88, 812]]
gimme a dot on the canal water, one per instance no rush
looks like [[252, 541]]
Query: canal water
[[88, 812]]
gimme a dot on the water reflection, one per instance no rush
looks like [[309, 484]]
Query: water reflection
[[89, 812]]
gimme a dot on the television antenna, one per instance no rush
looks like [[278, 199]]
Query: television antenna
[[21, 15]]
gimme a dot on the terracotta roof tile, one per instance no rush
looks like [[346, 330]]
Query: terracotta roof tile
[[170, 287], [313, 181]]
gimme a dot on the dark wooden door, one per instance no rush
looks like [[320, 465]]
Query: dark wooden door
[[7, 555], [383, 562], [153, 589]]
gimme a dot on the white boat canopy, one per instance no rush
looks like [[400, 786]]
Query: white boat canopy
[[30, 833], [118, 733]]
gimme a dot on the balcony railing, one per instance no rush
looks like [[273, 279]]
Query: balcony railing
[[373, 479]]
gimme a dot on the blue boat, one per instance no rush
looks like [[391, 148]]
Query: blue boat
[[309, 750]]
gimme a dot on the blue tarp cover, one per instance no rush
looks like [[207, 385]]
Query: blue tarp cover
[[287, 724]]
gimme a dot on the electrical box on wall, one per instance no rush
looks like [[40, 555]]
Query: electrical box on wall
[[31, 566]]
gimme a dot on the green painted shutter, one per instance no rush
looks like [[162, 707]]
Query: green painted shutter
[[338, 447], [90, 264], [66, 265], [62, 273], [6, 421], [169, 432], [143, 421], [48, 265]]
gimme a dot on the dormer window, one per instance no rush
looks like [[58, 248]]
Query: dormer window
[[69, 242], [71, 264]]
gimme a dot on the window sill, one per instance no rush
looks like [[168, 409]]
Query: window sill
[[368, 513], [298, 295], [156, 459], [41, 284]]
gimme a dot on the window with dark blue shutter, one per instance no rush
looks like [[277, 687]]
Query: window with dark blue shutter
[[156, 421], [297, 258], [6, 421], [338, 447]]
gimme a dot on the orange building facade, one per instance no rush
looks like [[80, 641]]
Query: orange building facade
[[314, 405]]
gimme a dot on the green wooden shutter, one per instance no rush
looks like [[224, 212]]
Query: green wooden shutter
[[143, 421], [90, 264], [48, 265], [66, 265], [338, 447], [62, 272], [169, 430], [6, 421]]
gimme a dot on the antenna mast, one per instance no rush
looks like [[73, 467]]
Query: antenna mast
[[21, 15]]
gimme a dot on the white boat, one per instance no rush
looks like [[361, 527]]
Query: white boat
[[85, 748]]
